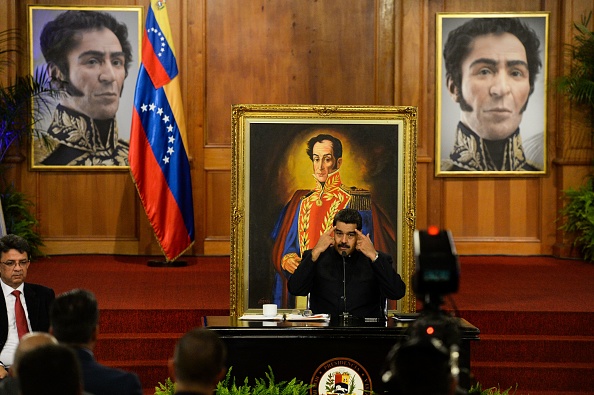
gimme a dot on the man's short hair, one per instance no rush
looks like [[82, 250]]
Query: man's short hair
[[349, 216], [61, 35], [336, 145], [74, 316], [15, 242], [458, 45], [199, 357], [51, 369]]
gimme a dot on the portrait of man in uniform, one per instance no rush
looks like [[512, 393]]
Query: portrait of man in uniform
[[90, 57], [492, 89], [294, 167], [314, 172]]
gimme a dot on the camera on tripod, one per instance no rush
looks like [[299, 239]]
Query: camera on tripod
[[426, 360]]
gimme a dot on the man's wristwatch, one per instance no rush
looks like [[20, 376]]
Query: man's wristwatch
[[376, 256]]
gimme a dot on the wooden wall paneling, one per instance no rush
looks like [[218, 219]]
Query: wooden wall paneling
[[288, 54], [434, 196], [386, 58], [194, 67], [218, 213], [87, 205]]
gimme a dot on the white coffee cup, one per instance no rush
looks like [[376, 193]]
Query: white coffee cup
[[269, 310]]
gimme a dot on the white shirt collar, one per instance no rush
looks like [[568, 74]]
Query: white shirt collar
[[7, 289]]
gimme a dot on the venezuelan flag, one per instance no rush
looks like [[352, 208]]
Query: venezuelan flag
[[158, 158]]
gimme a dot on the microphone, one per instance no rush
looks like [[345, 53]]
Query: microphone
[[345, 314]]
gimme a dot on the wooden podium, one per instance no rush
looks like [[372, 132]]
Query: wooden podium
[[306, 350]]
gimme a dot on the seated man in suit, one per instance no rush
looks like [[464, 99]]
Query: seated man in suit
[[74, 319], [344, 274], [26, 306]]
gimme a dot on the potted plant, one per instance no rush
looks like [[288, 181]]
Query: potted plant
[[261, 386], [578, 86], [18, 97]]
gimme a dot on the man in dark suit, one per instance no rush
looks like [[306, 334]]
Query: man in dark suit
[[74, 318], [15, 321]]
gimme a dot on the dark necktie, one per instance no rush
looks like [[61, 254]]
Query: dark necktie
[[19, 315]]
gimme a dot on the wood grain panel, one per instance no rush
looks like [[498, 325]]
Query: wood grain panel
[[287, 52], [218, 204], [83, 205]]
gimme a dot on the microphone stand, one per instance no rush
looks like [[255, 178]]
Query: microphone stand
[[345, 314]]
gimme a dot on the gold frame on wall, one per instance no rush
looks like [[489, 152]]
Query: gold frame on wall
[[269, 163], [533, 120], [38, 16]]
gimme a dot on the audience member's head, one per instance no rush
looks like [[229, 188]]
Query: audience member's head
[[74, 317], [199, 361], [15, 255], [51, 369], [29, 342]]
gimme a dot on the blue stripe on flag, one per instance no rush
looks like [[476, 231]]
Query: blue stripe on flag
[[166, 143]]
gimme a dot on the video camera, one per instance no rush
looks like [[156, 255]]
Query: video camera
[[437, 270], [426, 360]]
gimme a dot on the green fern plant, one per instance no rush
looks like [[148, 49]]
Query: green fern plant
[[19, 220], [167, 388], [267, 386], [578, 85], [477, 389], [578, 213], [228, 386], [18, 121]]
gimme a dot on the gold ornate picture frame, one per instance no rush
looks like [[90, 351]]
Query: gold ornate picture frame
[[487, 125], [270, 167], [111, 152]]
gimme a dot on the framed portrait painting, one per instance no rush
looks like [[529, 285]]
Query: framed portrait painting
[[272, 168], [491, 92], [85, 123]]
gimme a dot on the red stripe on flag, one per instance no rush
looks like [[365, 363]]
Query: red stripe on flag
[[161, 209], [152, 64]]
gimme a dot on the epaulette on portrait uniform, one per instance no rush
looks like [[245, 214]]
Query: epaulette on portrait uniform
[[360, 198], [308, 194]]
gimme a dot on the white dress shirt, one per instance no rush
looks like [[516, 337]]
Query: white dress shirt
[[12, 341]]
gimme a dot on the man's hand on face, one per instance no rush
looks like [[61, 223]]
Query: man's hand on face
[[326, 240], [365, 245]]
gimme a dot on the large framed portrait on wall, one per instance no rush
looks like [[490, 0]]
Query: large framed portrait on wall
[[491, 104], [272, 172], [90, 56]]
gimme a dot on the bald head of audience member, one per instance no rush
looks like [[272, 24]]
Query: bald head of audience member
[[50, 369], [198, 361], [29, 342]]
